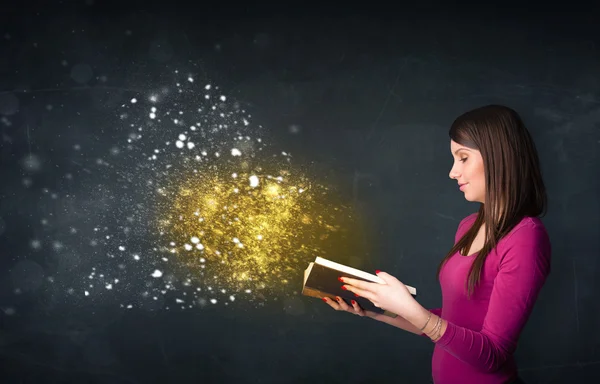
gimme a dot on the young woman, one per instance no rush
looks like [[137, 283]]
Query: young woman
[[500, 260]]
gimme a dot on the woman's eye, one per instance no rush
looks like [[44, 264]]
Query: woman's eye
[[463, 159]]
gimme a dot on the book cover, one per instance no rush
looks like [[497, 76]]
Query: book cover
[[321, 280]]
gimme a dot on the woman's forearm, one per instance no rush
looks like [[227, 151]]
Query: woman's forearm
[[397, 321]]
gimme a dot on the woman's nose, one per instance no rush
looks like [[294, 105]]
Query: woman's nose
[[453, 174]]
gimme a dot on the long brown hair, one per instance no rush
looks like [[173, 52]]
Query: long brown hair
[[514, 187]]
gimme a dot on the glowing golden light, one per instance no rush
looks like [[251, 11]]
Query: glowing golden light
[[251, 229]]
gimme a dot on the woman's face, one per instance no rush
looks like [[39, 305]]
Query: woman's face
[[468, 171]]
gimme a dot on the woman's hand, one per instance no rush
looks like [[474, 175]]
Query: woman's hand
[[340, 304], [392, 296]]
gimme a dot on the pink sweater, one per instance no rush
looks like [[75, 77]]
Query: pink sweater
[[483, 332]]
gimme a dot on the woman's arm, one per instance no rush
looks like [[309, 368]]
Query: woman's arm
[[523, 270], [400, 322], [397, 321]]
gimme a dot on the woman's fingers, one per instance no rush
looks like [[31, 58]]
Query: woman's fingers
[[340, 304], [332, 303], [335, 303], [357, 309]]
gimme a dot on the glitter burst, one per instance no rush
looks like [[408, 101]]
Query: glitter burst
[[253, 229], [193, 206]]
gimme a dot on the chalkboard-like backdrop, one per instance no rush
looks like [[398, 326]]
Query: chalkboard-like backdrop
[[366, 97]]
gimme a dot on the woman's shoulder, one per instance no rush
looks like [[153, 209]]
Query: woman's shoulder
[[529, 226], [528, 232]]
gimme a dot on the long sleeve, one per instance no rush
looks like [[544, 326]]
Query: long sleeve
[[523, 268]]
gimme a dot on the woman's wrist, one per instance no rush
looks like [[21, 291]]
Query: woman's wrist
[[418, 316], [428, 323]]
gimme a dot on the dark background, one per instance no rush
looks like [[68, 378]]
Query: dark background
[[365, 92]]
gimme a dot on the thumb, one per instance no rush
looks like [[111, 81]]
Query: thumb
[[386, 277]]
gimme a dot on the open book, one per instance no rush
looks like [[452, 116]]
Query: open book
[[321, 280]]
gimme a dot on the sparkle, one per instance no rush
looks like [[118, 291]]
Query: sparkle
[[193, 207], [252, 235]]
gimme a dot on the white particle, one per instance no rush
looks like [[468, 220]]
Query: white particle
[[108, 286], [254, 181], [202, 259], [179, 301], [195, 240], [9, 311], [188, 247], [133, 101], [182, 137], [259, 237], [236, 240], [153, 115], [179, 144], [200, 246], [246, 122], [129, 306], [86, 293], [223, 98], [190, 79], [231, 298], [236, 152], [121, 248], [234, 175], [190, 145], [207, 87], [157, 273], [214, 301]]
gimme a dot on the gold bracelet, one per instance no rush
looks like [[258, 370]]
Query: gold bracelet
[[428, 318], [434, 327], [438, 326], [438, 331]]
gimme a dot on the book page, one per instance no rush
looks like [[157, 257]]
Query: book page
[[307, 272], [356, 272]]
